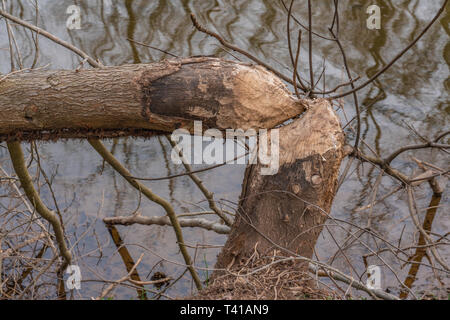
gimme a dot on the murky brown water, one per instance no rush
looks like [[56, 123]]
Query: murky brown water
[[414, 91]]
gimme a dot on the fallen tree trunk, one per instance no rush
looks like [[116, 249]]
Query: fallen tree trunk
[[142, 99], [282, 215], [284, 211]]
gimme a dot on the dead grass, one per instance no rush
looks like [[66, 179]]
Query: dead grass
[[250, 281]]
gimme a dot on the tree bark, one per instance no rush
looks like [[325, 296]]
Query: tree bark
[[287, 210], [142, 99]]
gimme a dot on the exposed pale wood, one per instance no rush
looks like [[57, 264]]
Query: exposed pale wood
[[141, 99]]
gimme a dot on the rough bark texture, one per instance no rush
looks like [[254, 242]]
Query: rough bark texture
[[142, 99], [289, 207]]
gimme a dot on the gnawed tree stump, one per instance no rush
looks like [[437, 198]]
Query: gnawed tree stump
[[287, 209], [142, 99]]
